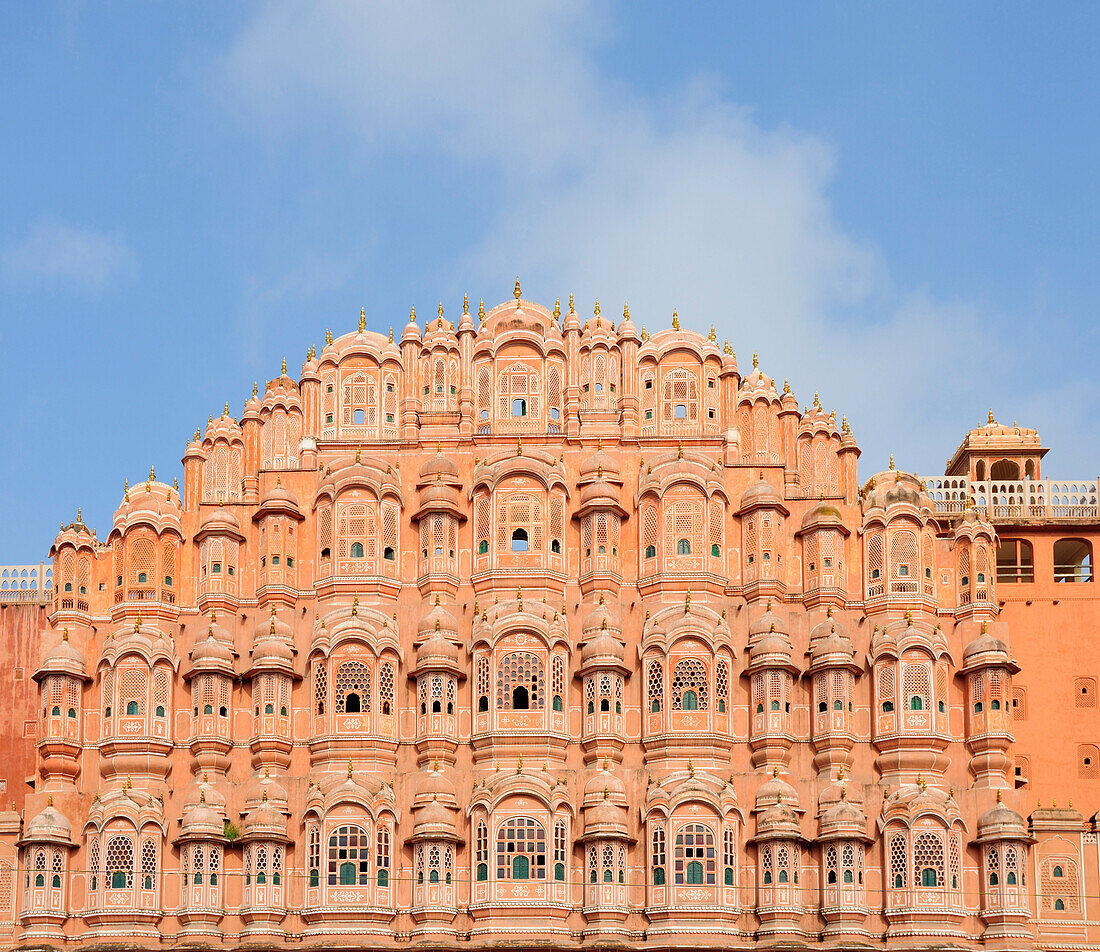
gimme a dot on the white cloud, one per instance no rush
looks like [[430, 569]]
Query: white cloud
[[53, 252], [684, 202]]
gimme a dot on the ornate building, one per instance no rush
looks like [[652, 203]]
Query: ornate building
[[560, 633]]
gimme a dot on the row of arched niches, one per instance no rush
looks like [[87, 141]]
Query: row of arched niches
[[510, 677]]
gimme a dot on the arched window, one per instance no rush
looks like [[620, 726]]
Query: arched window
[[655, 685], [348, 857], [481, 854], [1072, 560], [683, 547], [357, 550], [657, 857], [520, 682], [519, 540], [352, 681], [695, 862], [689, 685], [521, 849], [119, 873]]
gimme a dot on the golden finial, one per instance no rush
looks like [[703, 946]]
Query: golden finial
[[909, 618], [921, 782], [840, 773], [843, 424], [844, 792], [786, 386], [49, 800], [998, 796], [439, 313], [626, 311], [687, 603], [775, 771], [355, 604], [596, 311], [691, 769], [358, 450], [519, 763], [679, 449], [557, 308], [675, 320], [985, 627], [284, 366], [349, 770], [391, 333], [991, 414], [516, 292], [265, 797], [645, 334], [571, 302], [891, 460], [1054, 805], [817, 401], [362, 319], [519, 446], [713, 335], [755, 360], [465, 303], [328, 336], [481, 310]]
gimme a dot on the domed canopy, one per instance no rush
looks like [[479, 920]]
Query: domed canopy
[[219, 521], [604, 647], [210, 654], [606, 819], [264, 821], [1002, 823], [278, 499], [761, 494], [62, 658], [202, 821], [434, 821], [439, 618], [436, 653], [49, 826], [767, 623], [439, 467], [825, 515]]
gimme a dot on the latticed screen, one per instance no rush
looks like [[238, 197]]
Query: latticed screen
[[352, 678], [349, 857], [928, 854], [521, 849], [520, 671], [695, 862], [120, 862], [689, 685]]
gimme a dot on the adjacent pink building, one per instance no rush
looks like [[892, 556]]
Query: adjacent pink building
[[552, 632]]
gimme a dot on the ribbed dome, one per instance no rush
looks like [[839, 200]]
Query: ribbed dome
[[767, 623], [62, 658], [50, 825], [212, 654], [439, 618], [220, 521], [604, 818], [434, 820], [202, 820], [279, 496], [604, 646], [761, 493], [824, 515], [437, 651], [439, 465]]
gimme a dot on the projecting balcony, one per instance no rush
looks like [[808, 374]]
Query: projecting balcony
[[1016, 500]]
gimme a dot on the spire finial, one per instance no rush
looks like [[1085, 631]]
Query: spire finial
[[391, 333], [679, 449], [358, 451], [465, 303], [362, 319], [691, 769], [991, 414], [675, 320], [355, 604], [712, 336], [516, 291], [596, 311], [626, 311], [557, 309], [255, 388], [349, 770], [481, 310], [439, 313], [755, 360]]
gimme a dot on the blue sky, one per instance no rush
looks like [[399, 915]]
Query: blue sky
[[894, 204]]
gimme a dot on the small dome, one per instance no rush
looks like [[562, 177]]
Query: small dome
[[220, 521], [604, 782], [437, 652], [210, 653], [985, 644], [605, 817], [278, 495], [779, 820], [776, 790], [272, 651], [767, 623], [824, 515], [439, 618], [842, 815], [439, 465], [50, 825], [1001, 821], [599, 463], [434, 820], [605, 646], [774, 646], [62, 658], [265, 819], [435, 786], [202, 820], [761, 493], [830, 638]]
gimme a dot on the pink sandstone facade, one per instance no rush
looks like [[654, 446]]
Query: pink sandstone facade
[[553, 633]]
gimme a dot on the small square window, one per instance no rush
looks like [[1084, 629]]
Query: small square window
[[328, 417], [903, 570]]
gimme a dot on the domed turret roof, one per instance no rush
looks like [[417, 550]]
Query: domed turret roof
[[62, 658], [434, 821], [438, 618], [761, 494], [843, 816], [279, 498], [220, 521], [825, 515], [767, 623], [1000, 822], [604, 647], [985, 645], [264, 820], [606, 818], [201, 819], [439, 465], [210, 654], [50, 826], [436, 652]]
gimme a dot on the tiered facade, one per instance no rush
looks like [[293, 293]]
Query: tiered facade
[[540, 631]]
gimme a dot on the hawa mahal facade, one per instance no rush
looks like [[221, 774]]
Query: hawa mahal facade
[[552, 632]]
